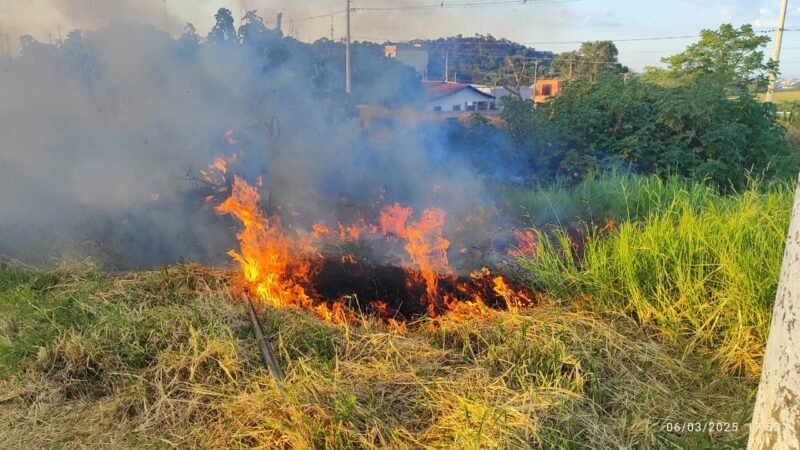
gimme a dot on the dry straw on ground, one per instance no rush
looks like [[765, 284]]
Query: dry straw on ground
[[164, 359]]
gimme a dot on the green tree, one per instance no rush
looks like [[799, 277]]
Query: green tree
[[224, 31], [697, 131], [593, 58], [252, 30], [732, 56], [189, 40]]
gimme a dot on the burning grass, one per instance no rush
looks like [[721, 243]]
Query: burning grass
[[283, 267], [659, 317], [166, 359]]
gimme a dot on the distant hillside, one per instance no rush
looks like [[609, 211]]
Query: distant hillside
[[483, 59]]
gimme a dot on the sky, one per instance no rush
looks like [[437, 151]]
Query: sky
[[545, 24]]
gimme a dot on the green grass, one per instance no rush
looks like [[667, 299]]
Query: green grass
[[598, 199], [699, 267]]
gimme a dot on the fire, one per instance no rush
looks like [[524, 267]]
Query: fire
[[221, 165], [514, 298], [281, 265], [319, 229], [425, 244], [350, 233], [527, 243], [216, 173], [270, 261]]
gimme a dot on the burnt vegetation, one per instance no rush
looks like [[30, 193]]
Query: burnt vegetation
[[565, 275]]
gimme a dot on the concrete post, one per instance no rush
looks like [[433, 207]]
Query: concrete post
[[776, 417]]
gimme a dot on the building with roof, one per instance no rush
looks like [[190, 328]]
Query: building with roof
[[498, 92], [410, 55], [547, 89], [442, 96]]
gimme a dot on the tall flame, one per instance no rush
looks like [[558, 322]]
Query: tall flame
[[425, 243], [266, 255]]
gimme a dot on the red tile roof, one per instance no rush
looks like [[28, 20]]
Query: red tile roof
[[439, 89]]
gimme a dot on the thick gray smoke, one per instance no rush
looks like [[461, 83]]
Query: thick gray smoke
[[100, 134]]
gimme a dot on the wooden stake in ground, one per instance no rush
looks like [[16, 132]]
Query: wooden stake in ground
[[776, 418], [266, 351]]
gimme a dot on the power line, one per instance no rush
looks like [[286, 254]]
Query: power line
[[321, 16], [654, 38], [463, 5], [531, 58], [439, 5], [634, 39]]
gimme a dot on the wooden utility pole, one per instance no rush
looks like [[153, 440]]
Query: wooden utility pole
[[347, 81], [776, 53], [776, 416], [535, 73]]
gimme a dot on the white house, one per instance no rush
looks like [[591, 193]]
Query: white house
[[441, 96], [498, 92]]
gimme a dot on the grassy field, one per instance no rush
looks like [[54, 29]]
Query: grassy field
[[662, 321], [784, 96]]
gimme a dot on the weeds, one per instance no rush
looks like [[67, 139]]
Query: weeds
[[701, 269], [164, 359]]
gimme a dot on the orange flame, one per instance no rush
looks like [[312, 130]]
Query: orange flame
[[319, 229], [527, 243], [425, 243], [279, 266], [266, 255]]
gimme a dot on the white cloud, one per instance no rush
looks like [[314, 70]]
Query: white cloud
[[766, 18], [593, 17], [726, 13]]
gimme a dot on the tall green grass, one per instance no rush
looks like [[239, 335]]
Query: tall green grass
[[601, 197], [699, 267]]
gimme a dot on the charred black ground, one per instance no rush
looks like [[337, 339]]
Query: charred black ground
[[361, 285]]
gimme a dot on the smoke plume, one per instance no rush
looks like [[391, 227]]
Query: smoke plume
[[104, 137]]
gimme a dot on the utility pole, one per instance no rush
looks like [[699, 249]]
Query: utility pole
[[535, 72], [777, 412], [776, 53], [446, 66], [347, 81], [571, 62], [331, 28]]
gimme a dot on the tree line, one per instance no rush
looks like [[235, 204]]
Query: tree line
[[699, 117]]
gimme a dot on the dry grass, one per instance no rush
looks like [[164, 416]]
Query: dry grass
[[781, 97], [163, 359]]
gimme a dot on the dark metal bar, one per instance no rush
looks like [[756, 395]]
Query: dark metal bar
[[266, 351]]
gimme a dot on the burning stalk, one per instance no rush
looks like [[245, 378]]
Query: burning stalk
[[266, 351]]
